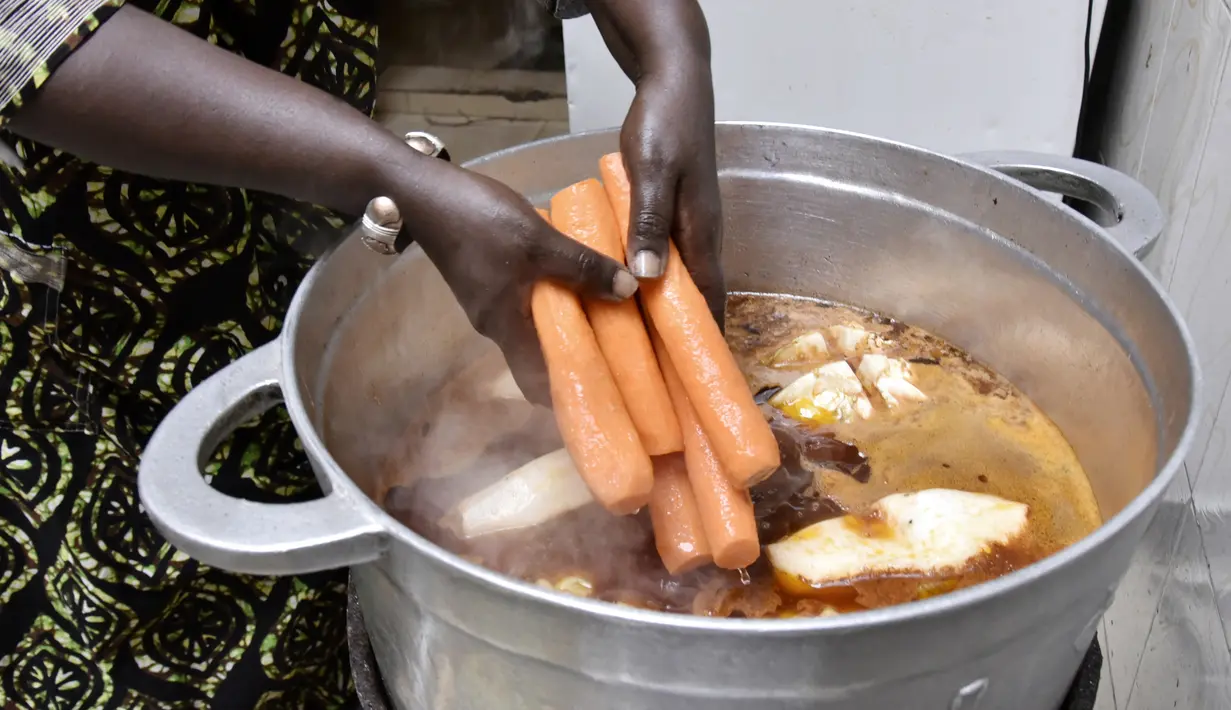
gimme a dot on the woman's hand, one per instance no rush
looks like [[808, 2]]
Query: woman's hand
[[668, 148], [668, 137], [492, 247]]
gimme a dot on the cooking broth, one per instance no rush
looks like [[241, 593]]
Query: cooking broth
[[975, 432]]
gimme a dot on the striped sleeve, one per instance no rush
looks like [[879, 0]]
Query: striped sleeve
[[566, 9], [36, 36]]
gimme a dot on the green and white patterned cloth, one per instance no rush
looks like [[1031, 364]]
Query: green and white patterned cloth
[[118, 293]]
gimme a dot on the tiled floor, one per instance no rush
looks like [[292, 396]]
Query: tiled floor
[[473, 112]]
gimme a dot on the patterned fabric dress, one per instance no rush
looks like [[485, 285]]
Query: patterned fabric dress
[[118, 293]]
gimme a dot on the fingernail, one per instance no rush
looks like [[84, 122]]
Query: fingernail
[[647, 265], [624, 285]]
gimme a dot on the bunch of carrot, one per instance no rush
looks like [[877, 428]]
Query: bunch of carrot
[[653, 410]]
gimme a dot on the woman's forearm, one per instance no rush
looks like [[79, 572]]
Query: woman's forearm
[[146, 97], [653, 36]]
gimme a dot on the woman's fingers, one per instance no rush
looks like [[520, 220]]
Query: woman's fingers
[[651, 217], [520, 345], [652, 208], [699, 239], [552, 256], [558, 258]]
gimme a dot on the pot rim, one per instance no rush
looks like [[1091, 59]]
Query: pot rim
[[860, 620]]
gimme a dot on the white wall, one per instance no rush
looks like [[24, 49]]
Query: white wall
[[951, 75], [1171, 128]]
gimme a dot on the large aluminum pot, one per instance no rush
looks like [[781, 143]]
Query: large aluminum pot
[[1046, 297]]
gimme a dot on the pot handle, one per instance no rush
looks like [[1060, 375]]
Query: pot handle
[[230, 533], [1139, 218]]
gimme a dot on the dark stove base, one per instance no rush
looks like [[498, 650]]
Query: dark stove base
[[371, 691], [1084, 689], [368, 686]]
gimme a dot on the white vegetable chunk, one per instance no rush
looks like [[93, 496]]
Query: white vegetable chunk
[[829, 393], [891, 378], [536, 493], [575, 585], [807, 349], [851, 340], [924, 533]]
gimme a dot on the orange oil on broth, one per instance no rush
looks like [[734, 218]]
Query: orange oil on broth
[[975, 433]]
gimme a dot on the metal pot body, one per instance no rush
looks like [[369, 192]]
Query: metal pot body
[[1056, 303]]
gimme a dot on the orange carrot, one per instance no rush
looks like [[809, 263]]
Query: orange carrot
[[593, 422], [615, 182], [712, 379], [679, 533], [582, 212], [726, 511]]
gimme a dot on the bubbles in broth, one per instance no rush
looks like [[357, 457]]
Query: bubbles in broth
[[974, 432]]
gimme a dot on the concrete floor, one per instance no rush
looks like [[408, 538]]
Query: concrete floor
[[1163, 637]]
